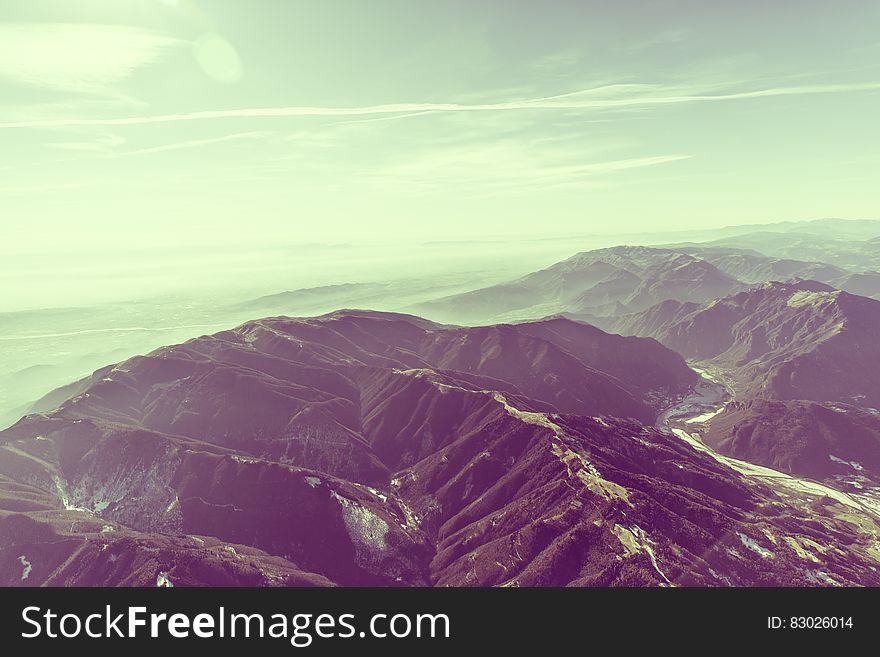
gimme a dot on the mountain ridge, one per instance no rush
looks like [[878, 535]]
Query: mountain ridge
[[346, 449]]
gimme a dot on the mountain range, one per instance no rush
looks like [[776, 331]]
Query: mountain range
[[365, 448], [802, 340], [800, 360], [693, 414], [594, 283], [627, 279]]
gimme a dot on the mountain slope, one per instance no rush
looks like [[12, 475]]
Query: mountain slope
[[366, 448], [600, 282], [800, 340], [752, 267], [847, 251], [823, 441], [866, 283]]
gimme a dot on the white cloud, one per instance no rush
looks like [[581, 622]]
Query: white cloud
[[610, 97], [100, 144], [195, 143], [630, 163], [505, 166], [79, 57]]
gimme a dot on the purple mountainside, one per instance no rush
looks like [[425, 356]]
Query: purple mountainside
[[800, 359], [364, 448]]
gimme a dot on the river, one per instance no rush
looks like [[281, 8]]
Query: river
[[710, 396]]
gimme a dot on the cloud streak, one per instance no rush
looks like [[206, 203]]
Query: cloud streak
[[501, 167], [612, 97], [195, 143]]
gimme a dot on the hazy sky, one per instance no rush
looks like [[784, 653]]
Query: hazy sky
[[163, 122]]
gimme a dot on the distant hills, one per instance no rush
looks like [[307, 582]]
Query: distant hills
[[602, 282], [627, 279], [852, 254]]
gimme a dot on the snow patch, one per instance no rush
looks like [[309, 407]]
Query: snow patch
[[26, 567], [753, 545], [822, 578], [163, 581], [375, 491], [64, 496], [364, 527], [720, 577], [412, 520], [855, 465]]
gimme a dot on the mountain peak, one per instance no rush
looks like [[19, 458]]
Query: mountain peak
[[795, 340], [797, 285]]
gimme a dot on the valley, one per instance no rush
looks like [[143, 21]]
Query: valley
[[690, 418]]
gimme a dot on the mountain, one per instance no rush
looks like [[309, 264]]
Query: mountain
[[316, 297], [752, 267], [601, 282], [364, 448], [844, 251], [639, 365], [801, 359], [854, 229], [801, 340], [621, 280], [835, 442], [866, 283]]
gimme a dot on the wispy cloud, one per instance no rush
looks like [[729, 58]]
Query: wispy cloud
[[559, 63], [107, 143], [503, 166], [631, 163], [195, 143], [661, 39], [610, 97], [42, 188], [78, 57], [393, 117]]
